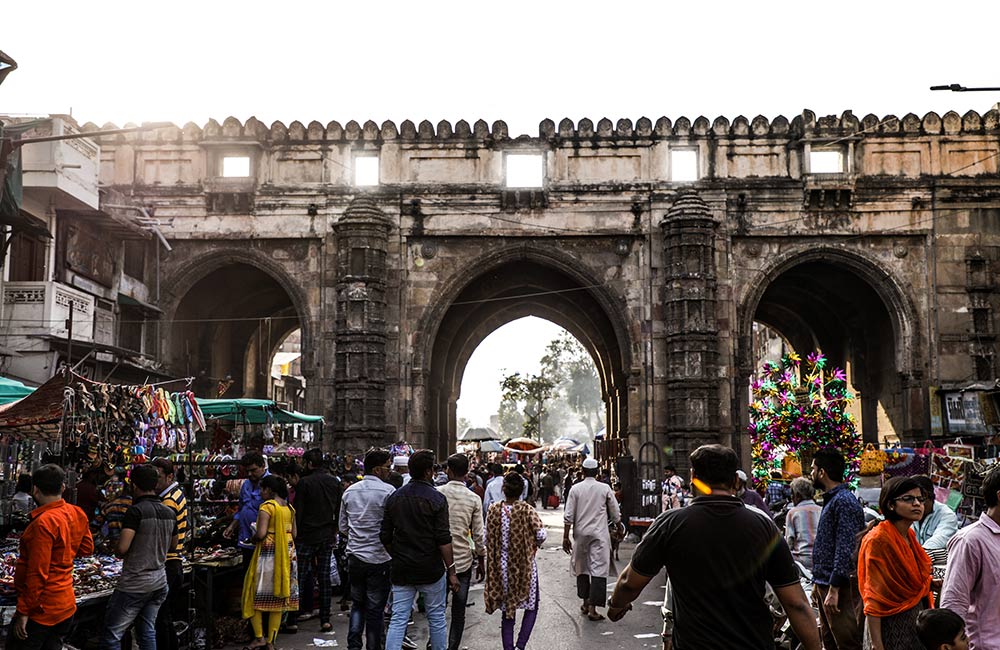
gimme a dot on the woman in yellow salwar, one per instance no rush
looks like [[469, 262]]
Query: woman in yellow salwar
[[271, 583]]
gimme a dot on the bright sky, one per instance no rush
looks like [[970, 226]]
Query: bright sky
[[519, 60], [516, 347]]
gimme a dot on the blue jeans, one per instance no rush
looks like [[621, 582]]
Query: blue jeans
[[123, 609], [369, 593], [402, 602]]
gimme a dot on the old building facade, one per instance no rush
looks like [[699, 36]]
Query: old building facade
[[659, 245]]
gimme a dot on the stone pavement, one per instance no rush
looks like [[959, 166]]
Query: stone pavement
[[559, 626]]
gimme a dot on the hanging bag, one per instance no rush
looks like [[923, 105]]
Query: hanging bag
[[872, 461]]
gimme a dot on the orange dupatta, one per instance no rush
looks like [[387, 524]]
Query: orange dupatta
[[894, 573]]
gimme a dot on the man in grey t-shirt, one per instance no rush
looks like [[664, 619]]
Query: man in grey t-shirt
[[149, 530]]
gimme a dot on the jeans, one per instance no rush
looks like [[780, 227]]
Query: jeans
[[166, 635], [369, 593], [402, 602], [123, 609], [314, 569], [40, 637], [458, 603]]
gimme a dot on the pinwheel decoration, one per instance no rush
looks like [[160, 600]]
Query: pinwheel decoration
[[798, 408]]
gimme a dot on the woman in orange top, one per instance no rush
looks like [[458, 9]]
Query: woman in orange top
[[894, 571]]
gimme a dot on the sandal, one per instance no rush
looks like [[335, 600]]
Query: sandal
[[326, 627], [291, 629], [595, 617]]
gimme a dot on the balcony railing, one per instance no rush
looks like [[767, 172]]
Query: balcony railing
[[43, 308]]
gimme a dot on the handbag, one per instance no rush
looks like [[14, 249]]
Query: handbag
[[791, 466], [872, 461], [929, 449]]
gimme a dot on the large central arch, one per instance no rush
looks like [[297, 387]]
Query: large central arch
[[508, 285]]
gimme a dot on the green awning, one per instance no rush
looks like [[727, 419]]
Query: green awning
[[12, 390], [252, 411]]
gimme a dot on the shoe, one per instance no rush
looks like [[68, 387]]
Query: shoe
[[408, 644], [307, 616]]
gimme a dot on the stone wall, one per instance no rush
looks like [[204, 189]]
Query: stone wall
[[888, 263]]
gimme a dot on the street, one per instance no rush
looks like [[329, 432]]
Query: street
[[559, 625]]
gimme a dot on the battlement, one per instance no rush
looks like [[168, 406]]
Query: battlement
[[807, 125]]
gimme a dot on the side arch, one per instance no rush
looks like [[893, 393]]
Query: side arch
[[882, 280]]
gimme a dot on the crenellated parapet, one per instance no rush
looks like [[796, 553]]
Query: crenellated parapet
[[804, 125]]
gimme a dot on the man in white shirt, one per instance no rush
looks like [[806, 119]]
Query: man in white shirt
[[361, 512], [465, 515], [494, 489]]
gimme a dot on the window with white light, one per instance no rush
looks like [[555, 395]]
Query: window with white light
[[525, 170], [826, 161], [366, 171], [683, 165], [235, 166]]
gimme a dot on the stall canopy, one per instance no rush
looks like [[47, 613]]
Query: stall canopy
[[476, 434], [490, 446], [12, 390], [252, 411]]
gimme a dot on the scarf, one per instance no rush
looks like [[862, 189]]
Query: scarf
[[521, 547], [894, 572], [281, 520]]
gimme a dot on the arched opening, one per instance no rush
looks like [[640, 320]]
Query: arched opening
[[287, 384], [535, 349], [509, 290], [227, 328], [832, 304]]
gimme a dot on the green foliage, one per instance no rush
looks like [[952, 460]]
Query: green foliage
[[530, 392], [568, 364]]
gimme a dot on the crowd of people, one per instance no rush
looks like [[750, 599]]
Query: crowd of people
[[871, 575], [392, 529]]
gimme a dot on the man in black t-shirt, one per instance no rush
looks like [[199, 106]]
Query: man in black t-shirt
[[718, 555]]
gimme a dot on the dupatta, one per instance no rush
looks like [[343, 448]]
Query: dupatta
[[894, 572]]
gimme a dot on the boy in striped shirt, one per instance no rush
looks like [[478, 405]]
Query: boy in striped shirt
[[173, 497]]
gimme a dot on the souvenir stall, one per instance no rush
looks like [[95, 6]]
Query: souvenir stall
[[797, 409], [213, 476], [92, 430]]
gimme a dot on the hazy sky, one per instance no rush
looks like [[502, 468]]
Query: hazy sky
[[520, 61]]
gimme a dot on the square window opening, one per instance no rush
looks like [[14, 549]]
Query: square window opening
[[366, 171], [826, 162], [683, 165], [235, 166], [525, 170]]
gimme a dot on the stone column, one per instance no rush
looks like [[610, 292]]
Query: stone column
[[359, 366], [692, 335]]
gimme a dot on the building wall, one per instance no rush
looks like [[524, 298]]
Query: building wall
[[912, 217]]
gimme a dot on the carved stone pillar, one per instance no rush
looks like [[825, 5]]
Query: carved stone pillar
[[692, 341], [359, 366]]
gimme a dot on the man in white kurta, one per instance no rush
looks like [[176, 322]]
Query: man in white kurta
[[590, 507]]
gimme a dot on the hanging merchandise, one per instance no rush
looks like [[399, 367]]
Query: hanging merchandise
[[872, 461]]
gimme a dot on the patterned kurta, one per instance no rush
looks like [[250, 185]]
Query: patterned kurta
[[514, 533], [262, 566]]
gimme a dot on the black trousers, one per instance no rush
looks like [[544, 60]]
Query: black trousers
[[40, 637], [166, 636], [592, 589]]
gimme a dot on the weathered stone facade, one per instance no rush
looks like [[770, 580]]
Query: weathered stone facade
[[886, 264]]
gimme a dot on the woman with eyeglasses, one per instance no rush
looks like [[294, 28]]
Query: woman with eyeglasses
[[894, 571]]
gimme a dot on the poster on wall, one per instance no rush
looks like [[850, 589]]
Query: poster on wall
[[963, 412]]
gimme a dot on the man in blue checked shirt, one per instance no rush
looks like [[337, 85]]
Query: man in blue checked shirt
[[250, 500], [841, 611]]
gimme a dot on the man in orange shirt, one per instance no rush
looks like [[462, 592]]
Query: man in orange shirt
[[58, 532]]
